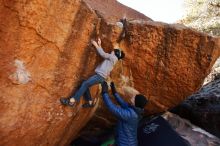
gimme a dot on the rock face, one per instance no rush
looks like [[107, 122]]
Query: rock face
[[203, 108], [45, 53]]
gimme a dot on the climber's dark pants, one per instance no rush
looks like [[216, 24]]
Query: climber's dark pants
[[87, 95], [95, 79]]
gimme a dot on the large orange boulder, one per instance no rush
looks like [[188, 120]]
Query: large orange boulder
[[45, 53]]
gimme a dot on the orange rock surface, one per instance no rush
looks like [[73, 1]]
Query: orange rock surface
[[45, 53]]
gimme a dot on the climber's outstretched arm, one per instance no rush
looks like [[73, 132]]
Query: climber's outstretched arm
[[100, 50]]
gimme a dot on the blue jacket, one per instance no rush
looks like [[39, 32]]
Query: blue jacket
[[128, 117]]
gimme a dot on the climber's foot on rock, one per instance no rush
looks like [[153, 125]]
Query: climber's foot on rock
[[90, 103], [67, 101], [87, 105]]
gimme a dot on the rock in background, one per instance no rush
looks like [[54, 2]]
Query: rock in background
[[193, 134], [203, 108]]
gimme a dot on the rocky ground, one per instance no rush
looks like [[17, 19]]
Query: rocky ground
[[203, 108], [193, 134]]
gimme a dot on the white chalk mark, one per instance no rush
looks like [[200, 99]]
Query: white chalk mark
[[21, 76]]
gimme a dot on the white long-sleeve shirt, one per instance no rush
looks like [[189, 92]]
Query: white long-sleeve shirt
[[107, 65]]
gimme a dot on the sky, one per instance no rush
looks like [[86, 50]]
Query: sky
[[168, 11]]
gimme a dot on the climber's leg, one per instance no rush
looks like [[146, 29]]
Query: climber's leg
[[95, 79], [87, 95], [88, 99]]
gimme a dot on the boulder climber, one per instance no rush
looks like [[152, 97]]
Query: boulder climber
[[45, 53]]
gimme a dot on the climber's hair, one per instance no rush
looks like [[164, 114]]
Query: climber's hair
[[119, 54]]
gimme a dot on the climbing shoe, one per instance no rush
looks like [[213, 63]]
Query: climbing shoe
[[87, 105], [66, 101]]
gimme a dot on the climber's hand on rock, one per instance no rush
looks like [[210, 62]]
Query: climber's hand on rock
[[99, 42], [104, 87], [94, 43]]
